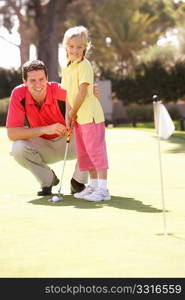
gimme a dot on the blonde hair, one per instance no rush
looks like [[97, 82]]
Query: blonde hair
[[77, 32]]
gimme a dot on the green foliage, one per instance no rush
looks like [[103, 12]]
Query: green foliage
[[165, 9], [174, 113], [166, 55], [148, 80], [127, 28], [139, 113], [130, 25], [8, 80], [3, 110]]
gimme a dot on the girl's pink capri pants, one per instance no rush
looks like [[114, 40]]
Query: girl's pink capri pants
[[91, 146]]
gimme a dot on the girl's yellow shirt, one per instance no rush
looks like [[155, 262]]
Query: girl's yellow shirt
[[74, 75]]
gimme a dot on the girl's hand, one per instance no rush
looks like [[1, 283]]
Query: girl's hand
[[68, 123], [70, 130]]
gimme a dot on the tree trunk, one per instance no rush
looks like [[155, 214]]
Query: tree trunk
[[47, 20], [24, 44]]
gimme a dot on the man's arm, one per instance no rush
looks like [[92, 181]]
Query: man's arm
[[21, 133]]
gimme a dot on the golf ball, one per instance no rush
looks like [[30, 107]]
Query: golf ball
[[56, 198]]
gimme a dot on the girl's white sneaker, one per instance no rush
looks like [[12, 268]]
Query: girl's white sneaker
[[99, 194], [87, 191]]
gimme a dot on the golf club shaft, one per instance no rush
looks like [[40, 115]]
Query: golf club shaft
[[64, 161]]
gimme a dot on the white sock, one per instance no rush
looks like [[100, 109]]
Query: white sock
[[102, 183], [94, 183]]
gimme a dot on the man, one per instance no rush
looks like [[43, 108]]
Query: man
[[42, 105]]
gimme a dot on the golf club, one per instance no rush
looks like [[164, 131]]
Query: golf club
[[59, 196]]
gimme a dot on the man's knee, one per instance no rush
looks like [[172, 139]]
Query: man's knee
[[18, 149]]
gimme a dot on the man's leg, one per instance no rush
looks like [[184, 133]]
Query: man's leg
[[35, 154]]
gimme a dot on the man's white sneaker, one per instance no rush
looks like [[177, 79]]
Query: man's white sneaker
[[98, 195], [87, 191]]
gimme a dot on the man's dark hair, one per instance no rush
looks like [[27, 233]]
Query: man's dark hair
[[33, 65]]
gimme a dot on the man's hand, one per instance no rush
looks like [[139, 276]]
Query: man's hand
[[56, 128], [96, 91]]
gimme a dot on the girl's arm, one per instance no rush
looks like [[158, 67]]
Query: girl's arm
[[67, 117], [79, 100]]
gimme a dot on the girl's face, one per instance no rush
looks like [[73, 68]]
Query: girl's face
[[75, 49]]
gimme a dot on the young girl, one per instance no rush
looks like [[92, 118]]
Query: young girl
[[85, 111]]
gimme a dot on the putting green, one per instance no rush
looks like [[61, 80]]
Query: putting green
[[118, 238]]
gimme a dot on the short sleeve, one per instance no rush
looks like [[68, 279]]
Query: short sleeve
[[63, 81], [16, 112], [85, 73], [58, 92]]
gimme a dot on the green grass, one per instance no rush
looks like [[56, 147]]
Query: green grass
[[7, 99], [123, 237], [138, 124], [147, 125]]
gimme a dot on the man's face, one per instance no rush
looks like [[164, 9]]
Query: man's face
[[37, 84]]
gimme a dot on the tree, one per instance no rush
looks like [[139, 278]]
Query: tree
[[39, 25], [121, 28], [47, 20], [8, 10], [117, 35]]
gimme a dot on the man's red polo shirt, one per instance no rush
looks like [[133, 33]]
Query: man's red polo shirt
[[48, 114]]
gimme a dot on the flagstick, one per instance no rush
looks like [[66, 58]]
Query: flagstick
[[156, 122], [162, 187]]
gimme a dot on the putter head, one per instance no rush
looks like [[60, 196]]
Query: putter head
[[56, 198]]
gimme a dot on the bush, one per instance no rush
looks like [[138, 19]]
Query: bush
[[3, 111], [139, 113], [174, 113], [8, 80], [148, 80]]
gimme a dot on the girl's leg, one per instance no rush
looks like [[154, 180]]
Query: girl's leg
[[84, 160], [92, 153], [102, 174], [93, 139], [93, 178], [102, 179], [93, 174]]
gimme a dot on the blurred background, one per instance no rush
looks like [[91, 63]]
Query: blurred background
[[138, 50]]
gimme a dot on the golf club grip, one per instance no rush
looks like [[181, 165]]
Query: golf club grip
[[68, 138]]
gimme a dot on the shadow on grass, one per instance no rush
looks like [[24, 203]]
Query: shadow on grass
[[179, 140], [116, 201]]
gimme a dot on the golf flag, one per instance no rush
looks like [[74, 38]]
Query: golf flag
[[163, 122], [164, 128]]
